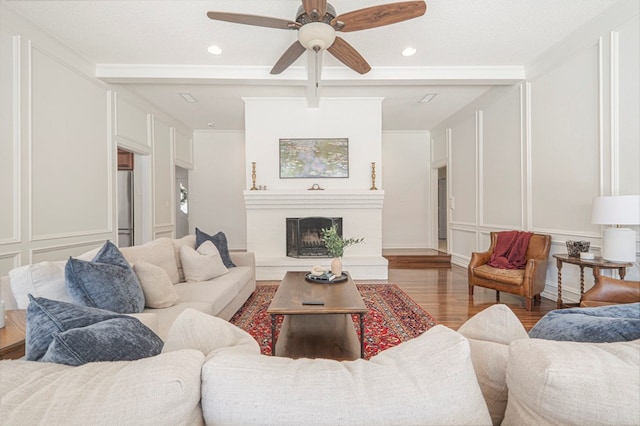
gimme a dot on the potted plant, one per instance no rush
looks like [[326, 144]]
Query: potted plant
[[335, 245]]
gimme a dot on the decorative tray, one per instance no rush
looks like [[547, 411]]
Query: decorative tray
[[325, 278]]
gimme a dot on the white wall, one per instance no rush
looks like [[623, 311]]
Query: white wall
[[533, 156], [59, 129], [216, 183], [269, 119], [406, 212]]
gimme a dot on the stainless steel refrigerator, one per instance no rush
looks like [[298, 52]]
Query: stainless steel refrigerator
[[125, 208]]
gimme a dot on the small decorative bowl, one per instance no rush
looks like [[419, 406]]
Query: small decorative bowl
[[574, 248]]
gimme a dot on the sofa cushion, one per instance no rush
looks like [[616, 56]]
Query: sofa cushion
[[43, 279], [106, 282], [159, 252], [218, 292], [187, 240], [614, 323], [553, 383], [206, 333], [157, 287], [426, 380], [490, 332], [69, 334], [166, 316], [202, 264], [220, 241], [508, 276], [115, 339], [161, 390]]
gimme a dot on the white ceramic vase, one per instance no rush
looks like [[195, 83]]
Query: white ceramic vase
[[336, 266]]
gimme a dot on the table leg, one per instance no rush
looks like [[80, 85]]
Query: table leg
[[622, 272], [559, 265], [273, 334], [361, 335], [582, 281]]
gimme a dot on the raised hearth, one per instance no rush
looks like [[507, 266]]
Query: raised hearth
[[361, 213]]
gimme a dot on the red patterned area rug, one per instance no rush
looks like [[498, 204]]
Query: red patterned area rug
[[393, 317]]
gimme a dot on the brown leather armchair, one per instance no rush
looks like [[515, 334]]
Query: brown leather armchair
[[610, 291], [528, 282]]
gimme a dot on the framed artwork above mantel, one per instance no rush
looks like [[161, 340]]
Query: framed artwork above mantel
[[314, 158]]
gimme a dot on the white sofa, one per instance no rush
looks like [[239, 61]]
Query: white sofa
[[211, 372], [221, 296]]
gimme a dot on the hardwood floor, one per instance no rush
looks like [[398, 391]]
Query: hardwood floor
[[443, 292]]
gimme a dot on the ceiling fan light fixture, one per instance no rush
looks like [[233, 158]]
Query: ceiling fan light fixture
[[316, 36]]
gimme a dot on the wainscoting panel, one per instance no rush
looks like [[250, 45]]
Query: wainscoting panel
[[8, 261], [10, 137], [130, 126], [565, 144], [463, 173], [163, 175], [63, 251], [183, 150], [70, 171]]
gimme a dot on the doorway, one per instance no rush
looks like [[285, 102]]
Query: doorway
[[182, 202], [125, 191], [442, 208]]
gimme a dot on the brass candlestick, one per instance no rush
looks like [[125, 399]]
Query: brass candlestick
[[373, 177], [253, 176]]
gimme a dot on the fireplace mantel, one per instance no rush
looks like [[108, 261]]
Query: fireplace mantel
[[361, 211], [312, 199]]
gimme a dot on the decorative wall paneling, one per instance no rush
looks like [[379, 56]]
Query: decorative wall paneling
[[163, 176], [572, 111], [10, 137], [60, 130], [183, 151]]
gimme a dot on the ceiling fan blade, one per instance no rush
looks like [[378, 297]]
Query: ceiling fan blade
[[288, 57], [378, 16], [320, 6], [349, 56], [259, 21]]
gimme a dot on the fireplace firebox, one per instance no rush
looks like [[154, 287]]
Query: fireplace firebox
[[304, 236]]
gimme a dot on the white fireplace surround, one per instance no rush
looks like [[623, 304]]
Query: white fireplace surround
[[361, 212]]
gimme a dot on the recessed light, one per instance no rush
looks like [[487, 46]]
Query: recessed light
[[210, 125], [409, 51], [428, 98], [214, 50], [188, 98]]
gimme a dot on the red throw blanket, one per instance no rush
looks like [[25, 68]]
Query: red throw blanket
[[510, 250]]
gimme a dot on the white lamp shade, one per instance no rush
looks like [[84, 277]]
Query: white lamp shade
[[620, 210]]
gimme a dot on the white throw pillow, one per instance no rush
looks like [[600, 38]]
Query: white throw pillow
[[188, 240], [577, 383], [158, 252], [161, 390], [426, 380], [43, 279], [490, 332], [202, 264], [206, 333], [157, 287]]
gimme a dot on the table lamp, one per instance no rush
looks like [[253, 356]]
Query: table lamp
[[618, 244]]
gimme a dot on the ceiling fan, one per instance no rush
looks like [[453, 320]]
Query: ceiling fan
[[317, 22]]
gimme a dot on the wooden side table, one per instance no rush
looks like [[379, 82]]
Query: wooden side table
[[596, 264], [12, 335]]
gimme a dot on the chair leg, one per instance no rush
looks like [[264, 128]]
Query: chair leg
[[497, 296], [528, 303], [470, 290]]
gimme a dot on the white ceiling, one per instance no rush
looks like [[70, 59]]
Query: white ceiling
[[158, 49]]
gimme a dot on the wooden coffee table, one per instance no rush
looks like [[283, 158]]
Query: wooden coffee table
[[317, 331]]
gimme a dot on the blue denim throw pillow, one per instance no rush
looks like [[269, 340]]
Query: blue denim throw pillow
[[116, 339], [106, 282], [84, 334], [603, 324], [220, 241]]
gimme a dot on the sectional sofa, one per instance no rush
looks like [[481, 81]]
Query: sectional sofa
[[221, 296]]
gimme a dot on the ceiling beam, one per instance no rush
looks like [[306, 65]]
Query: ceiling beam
[[459, 75]]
